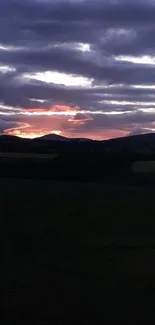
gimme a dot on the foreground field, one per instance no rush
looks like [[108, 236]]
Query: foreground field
[[78, 253]]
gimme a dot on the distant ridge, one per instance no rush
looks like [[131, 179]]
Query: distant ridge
[[125, 141], [55, 137], [6, 137]]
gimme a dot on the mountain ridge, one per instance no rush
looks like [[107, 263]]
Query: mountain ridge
[[55, 137]]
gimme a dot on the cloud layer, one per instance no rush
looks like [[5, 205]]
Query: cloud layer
[[75, 67]]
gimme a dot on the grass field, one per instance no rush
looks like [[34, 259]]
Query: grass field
[[78, 253]]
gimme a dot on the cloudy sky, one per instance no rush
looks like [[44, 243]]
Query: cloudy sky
[[79, 68]]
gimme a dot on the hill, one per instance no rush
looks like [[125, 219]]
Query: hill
[[55, 137], [137, 144], [88, 160]]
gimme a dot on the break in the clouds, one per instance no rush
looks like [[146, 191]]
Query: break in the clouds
[[77, 68]]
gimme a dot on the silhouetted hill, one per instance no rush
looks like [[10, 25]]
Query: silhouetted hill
[[5, 137], [129, 141], [137, 144], [138, 138], [147, 137], [53, 137], [77, 159]]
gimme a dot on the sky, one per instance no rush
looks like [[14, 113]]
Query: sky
[[78, 68]]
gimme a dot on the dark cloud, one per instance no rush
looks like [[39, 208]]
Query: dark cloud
[[101, 69], [82, 117]]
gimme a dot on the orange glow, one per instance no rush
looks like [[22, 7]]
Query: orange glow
[[31, 135], [71, 126], [98, 135]]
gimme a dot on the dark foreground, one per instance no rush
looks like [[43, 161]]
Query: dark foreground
[[77, 253]]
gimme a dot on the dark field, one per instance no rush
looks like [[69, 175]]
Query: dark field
[[78, 253]]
